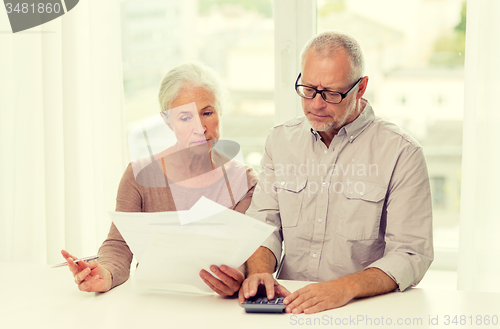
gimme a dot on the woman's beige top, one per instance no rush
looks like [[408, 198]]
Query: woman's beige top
[[134, 197]]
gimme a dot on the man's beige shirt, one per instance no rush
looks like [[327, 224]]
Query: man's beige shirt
[[362, 202]]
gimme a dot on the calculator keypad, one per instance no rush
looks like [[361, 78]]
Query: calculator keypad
[[264, 305]]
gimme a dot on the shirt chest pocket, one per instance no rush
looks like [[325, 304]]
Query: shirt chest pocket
[[361, 210], [290, 191]]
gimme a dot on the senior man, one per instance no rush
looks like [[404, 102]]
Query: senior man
[[348, 192]]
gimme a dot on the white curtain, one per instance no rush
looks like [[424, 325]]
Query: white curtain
[[479, 250], [62, 140]]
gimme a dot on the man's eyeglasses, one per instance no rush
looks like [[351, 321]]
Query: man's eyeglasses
[[329, 96]]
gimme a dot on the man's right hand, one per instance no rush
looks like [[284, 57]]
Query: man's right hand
[[89, 276], [251, 285]]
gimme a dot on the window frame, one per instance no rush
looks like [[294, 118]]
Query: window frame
[[295, 24]]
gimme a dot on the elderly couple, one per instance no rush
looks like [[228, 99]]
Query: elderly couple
[[369, 237]]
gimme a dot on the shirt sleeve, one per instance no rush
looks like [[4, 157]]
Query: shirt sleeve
[[408, 236], [116, 254], [244, 203], [264, 206]]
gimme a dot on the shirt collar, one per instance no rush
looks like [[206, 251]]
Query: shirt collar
[[313, 131], [355, 128]]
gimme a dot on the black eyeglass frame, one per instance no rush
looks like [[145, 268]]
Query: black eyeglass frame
[[321, 92]]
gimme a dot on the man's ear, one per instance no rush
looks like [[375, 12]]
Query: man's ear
[[362, 87]]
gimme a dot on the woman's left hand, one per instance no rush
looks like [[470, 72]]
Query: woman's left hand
[[227, 282]]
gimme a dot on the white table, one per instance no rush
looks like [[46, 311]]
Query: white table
[[34, 296]]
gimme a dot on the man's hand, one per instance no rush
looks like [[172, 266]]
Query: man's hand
[[251, 285], [228, 282], [323, 296], [318, 297]]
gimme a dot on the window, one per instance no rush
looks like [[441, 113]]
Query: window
[[414, 52], [235, 38], [438, 191]]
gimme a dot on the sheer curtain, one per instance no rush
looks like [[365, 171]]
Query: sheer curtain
[[62, 141], [479, 250]]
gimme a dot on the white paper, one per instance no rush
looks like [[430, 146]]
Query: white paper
[[137, 229], [203, 208], [173, 252]]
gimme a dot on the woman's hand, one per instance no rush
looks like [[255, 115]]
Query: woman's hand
[[89, 276], [227, 282]]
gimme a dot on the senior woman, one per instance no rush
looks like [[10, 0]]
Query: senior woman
[[191, 98]]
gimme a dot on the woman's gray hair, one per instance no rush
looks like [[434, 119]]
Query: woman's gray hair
[[191, 75], [330, 42]]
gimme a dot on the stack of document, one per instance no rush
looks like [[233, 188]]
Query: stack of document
[[172, 247]]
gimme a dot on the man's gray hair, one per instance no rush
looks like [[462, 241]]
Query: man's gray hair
[[187, 76], [330, 42]]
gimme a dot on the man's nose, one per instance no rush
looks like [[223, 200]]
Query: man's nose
[[318, 101]]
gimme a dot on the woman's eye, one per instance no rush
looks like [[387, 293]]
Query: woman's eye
[[207, 113], [185, 119]]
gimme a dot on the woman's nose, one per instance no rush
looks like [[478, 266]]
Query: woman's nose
[[200, 126]]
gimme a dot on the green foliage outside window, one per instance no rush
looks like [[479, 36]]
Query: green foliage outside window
[[449, 50]]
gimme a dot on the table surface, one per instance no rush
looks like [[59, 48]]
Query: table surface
[[36, 296]]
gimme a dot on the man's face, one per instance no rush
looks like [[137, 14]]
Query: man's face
[[332, 73]]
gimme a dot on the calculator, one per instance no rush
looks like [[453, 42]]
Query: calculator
[[264, 305]]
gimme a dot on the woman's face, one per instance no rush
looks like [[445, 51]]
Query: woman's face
[[194, 119]]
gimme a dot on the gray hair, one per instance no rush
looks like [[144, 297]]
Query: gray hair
[[191, 75], [330, 42]]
